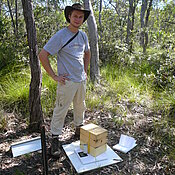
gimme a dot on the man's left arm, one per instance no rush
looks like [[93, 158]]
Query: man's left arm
[[87, 56]]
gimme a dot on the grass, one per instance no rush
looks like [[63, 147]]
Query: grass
[[125, 85], [18, 172], [3, 121], [117, 85], [14, 90]]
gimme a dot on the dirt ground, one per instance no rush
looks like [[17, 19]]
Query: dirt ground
[[147, 157]]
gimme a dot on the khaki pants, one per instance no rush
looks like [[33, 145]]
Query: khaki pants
[[66, 94]]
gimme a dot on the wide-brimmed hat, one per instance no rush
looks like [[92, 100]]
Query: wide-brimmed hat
[[76, 6]]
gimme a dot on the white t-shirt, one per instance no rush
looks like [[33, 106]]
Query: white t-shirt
[[70, 58]]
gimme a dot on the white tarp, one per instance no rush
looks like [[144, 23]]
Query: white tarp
[[88, 158], [26, 146], [110, 158]]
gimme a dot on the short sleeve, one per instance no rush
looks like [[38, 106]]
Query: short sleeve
[[54, 44]]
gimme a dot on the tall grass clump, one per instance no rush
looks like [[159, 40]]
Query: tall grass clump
[[14, 91], [95, 96], [126, 84]]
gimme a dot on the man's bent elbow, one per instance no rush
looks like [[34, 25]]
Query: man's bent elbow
[[43, 54]]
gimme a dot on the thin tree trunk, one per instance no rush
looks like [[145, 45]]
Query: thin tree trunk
[[146, 25], [93, 38], [11, 15], [16, 10], [0, 7], [100, 9], [130, 23], [142, 15], [36, 116], [100, 26]]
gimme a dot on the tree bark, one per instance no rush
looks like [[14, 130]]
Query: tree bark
[[100, 25], [130, 22], [144, 23], [16, 10], [11, 15], [0, 7], [93, 39], [100, 9], [36, 115], [142, 15]]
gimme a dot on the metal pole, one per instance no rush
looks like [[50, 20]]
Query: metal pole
[[44, 151]]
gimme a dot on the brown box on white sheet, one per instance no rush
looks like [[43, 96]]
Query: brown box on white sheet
[[95, 137]]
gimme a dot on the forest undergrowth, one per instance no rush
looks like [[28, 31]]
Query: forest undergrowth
[[121, 102]]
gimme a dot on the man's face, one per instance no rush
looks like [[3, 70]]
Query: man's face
[[76, 18]]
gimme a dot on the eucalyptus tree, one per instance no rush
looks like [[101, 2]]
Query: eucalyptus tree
[[130, 22], [120, 7], [0, 7], [93, 39], [13, 10], [16, 15], [100, 10], [144, 17], [12, 17], [36, 115]]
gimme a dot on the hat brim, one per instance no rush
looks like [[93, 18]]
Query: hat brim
[[68, 9]]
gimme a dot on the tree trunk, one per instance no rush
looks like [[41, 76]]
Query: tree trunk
[[100, 26], [100, 9], [36, 116], [142, 15], [16, 10], [93, 38], [130, 23], [11, 15], [0, 7], [146, 25]]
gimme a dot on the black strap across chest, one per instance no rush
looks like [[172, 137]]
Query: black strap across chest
[[70, 40]]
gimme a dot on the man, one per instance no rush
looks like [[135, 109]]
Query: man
[[73, 57]]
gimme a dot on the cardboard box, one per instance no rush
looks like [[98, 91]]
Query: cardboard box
[[93, 142], [95, 137], [94, 151]]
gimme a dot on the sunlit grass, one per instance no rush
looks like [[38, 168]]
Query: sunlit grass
[[118, 88], [116, 84], [93, 100], [14, 90], [126, 85]]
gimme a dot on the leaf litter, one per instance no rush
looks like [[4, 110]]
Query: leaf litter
[[148, 157]]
